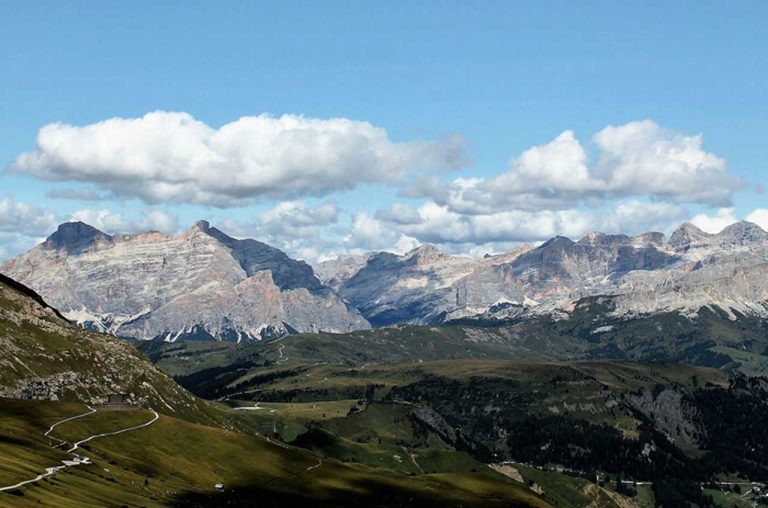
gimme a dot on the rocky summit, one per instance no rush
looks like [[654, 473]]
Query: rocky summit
[[645, 274], [201, 284]]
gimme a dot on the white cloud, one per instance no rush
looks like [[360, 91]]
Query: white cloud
[[296, 228], [399, 213], [81, 194], [714, 223], [643, 158], [22, 226], [440, 225], [112, 222], [759, 217], [24, 219], [172, 157], [633, 217], [560, 164], [637, 159], [725, 217], [367, 234], [296, 219]]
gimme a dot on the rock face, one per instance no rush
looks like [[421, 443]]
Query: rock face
[[425, 286], [199, 284], [42, 356], [334, 272], [204, 284], [647, 273]]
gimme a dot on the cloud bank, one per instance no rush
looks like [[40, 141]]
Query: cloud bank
[[627, 178], [635, 159], [172, 157]]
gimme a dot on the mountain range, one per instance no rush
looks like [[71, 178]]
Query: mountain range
[[203, 284], [648, 273]]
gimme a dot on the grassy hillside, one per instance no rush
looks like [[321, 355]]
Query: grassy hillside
[[678, 426], [42, 356], [174, 462], [710, 339]]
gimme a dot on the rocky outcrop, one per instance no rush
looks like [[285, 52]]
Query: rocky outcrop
[[648, 273], [335, 272], [425, 286], [201, 284]]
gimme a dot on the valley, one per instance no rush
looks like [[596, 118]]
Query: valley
[[657, 428]]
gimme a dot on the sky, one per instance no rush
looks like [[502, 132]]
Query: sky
[[325, 128]]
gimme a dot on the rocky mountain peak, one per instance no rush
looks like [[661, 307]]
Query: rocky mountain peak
[[74, 237], [687, 236], [742, 233], [199, 284], [202, 225], [651, 239], [557, 243], [595, 238], [425, 254]]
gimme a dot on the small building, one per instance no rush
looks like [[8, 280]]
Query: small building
[[117, 402]]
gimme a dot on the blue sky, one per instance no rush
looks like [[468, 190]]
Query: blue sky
[[438, 98]]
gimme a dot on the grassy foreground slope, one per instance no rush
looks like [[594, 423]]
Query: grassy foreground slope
[[177, 463]]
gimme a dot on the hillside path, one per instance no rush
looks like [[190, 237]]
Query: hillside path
[[65, 420], [96, 436], [80, 459]]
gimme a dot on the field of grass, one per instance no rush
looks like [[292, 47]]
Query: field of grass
[[712, 339], [174, 462], [321, 410]]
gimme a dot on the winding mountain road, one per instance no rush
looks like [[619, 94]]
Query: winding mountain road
[[106, 434], [282, 359], [65, 420], [49, 471]]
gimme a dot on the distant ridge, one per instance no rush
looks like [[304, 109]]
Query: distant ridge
[[203, 284], [200, 284], [646, 273]]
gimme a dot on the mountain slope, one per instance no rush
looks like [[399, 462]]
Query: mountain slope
[[42, 356], [424, 286], [200, 284], [648, 273], [178, 463]]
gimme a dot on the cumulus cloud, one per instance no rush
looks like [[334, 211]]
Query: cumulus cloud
[[173, 157], [22, 226], [81, 194], [759, 217], [24, 219], [633, 160], [367, 233], [12, 244], [295, 227], [399, 213], [644, 158], [439, 224], [113, 222], [725, 217], [714, 223], [296, 219], [435, 223], [633, 217]]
